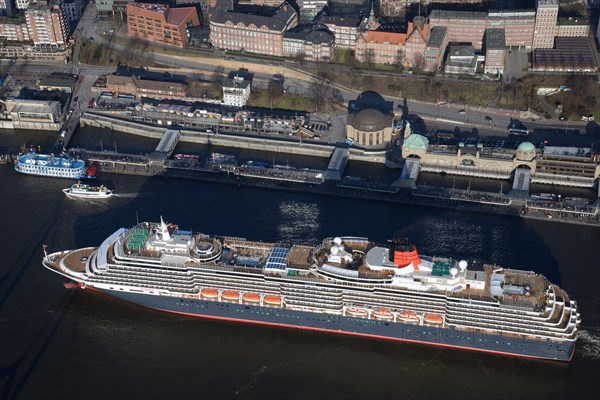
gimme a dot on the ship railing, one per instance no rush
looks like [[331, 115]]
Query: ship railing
[[500, 324], [153, 277], [528, 336], [511, 313], [402, 301], [117, 277]]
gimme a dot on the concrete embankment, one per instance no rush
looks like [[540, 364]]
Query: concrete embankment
[[240, 141]]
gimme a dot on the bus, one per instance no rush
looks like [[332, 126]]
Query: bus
[[518, 132]]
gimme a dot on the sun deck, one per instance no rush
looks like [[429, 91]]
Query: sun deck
[[76, 260]]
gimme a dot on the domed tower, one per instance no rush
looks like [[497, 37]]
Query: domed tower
[[526, 152], [403, 253]]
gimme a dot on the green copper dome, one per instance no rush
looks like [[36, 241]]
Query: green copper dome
[[416, 142], [526, 147]]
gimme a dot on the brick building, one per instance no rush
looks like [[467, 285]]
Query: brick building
[[495, 51], [397, 8], [570, 55], [47, 24], [259, 32], [345, 30], [436, 47], [140, 87], [380, 48], [545, 24], [417, 35], [14, 29], [314, 45], [161, 24]]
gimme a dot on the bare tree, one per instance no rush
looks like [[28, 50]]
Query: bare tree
[[399, 61], [419, 63], [370, 57]]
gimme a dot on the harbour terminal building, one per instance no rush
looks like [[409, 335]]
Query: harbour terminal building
[[565, 166]]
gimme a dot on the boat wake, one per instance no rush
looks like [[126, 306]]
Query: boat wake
[[589, 344], [126, 195]]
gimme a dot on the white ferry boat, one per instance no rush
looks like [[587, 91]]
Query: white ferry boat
[[80, 191], [50, 165]]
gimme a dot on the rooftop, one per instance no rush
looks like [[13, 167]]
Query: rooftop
[[59, 80], [277, 22], [569, 53], [436, 36], [495, 39], [573, 21]]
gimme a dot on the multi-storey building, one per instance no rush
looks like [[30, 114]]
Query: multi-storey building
[[397, 8], [573, 27], [436, 47], [461, 60], [158, 23], [545, 24], [140, 87], [14, 29], [518, 25], [72, 9], [314, 45], [254, 33], [47, 24], [113, 8], [309, 9], [570, 55], [236, 91], [22, 4], [495, 51], [345, 30], [417, 35], [6, 8], [376, 47]]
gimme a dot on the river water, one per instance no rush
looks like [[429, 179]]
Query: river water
[[58, 343]]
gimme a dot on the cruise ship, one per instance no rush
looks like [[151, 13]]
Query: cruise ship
[[50, 165], [346, 285]]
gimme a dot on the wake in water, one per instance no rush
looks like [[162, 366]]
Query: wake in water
[[589, 343], [126, 195]]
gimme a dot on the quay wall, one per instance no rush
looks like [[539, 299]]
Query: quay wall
[[230, 139], [35, 126]]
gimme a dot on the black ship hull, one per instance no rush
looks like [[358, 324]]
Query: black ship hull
[[406, 332]]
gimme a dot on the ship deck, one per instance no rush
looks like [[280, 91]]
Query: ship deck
[[76, 260]]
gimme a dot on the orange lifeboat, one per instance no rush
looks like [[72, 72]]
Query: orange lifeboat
[[272, 300], [356, 312], [382, 314], [209, 293], [435, 319], [408, 316], [230, 295], [252, 298]]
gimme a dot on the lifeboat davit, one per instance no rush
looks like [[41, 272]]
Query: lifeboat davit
[[408, 316], [356, 312], [272, 300], [435, 319], [252, 298], [230, 295], [382, 314], [209, 293]]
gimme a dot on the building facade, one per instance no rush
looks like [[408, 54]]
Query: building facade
[[261, 34], [140, 87], [47, 25], [14, 29], [6, 8], [236, 91], [310, 45], [345, 30], [370, 128], [495, 51], [161, 24], [546, 28], [375, 47]]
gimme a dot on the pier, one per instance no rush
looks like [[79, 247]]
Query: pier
[[522, 180], [409, 174]]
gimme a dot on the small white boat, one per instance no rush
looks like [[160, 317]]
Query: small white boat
[[80, 191]]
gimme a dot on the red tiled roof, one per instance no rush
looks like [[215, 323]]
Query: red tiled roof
[[385, 37]]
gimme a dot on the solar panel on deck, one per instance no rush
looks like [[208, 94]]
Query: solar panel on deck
[[277, 258]]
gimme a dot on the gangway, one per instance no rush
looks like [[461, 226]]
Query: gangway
[[165, 146], [522, 179], [410, 173], [337, 164]]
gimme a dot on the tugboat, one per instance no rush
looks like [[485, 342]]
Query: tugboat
[[79, 191]]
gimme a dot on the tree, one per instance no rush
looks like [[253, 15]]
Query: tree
[[419, 63], [399, 61], [370, 57], [300, 57]]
